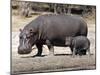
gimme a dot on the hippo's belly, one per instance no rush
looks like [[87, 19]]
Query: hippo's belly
[[58, 42]]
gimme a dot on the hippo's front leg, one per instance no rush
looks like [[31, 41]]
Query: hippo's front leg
[[51, 48], [39, 47], [73, 53]]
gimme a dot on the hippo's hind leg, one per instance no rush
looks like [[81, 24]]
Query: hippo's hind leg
[[51, 48], [39, 47], [88, 50]]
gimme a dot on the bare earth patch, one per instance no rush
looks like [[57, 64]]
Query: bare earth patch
[[60, 62]]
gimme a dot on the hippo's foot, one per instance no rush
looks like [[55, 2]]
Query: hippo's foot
[[37, 55], [51, 54], [73, 56]]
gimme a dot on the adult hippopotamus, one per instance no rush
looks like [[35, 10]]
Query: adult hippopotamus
[[51, 30]]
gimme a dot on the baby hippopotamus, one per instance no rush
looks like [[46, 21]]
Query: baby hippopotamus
[[80, 45]]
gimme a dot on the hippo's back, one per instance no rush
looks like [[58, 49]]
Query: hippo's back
[[63, 25]]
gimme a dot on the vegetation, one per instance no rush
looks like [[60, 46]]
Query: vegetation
[[25, 8]]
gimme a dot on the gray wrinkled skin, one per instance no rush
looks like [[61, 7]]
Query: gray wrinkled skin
[[51, 30]]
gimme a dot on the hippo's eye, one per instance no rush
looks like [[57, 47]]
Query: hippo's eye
[[20, 37]]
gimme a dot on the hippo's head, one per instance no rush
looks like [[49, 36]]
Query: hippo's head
[[27, 38]]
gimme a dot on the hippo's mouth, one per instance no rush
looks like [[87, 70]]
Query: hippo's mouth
[[24, 51]]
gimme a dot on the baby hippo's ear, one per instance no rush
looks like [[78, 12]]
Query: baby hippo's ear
[[20, 30]]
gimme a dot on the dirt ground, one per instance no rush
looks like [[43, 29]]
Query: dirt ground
[[60, 62]]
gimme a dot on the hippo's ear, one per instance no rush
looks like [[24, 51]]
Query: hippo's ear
[[31, 30], [20, 30]]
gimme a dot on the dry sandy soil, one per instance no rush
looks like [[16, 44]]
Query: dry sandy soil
[[60, 62]]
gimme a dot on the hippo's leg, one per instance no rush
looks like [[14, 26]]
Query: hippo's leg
[[80, 52], [88, 52], [71, 48], [51, 48], [74, 52], [39, 47]]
